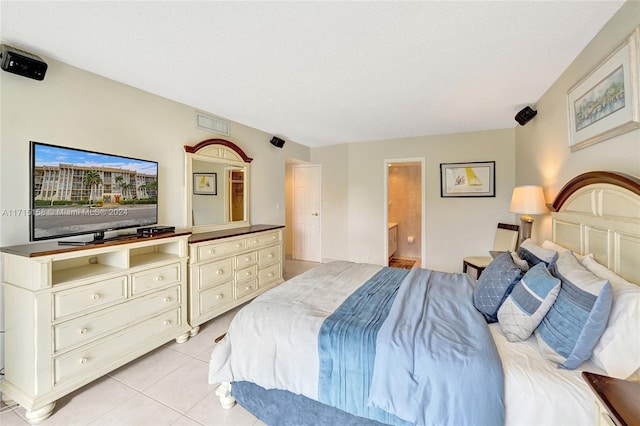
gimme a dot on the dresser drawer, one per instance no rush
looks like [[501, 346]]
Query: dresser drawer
[[89, 297], [246, 259], [269, 274], [215, 273], [89, 360], [247, 273], [154, 279], [261, 240], [90, 327], [215, 297], [245, 288], [269, 256], [221, 249]]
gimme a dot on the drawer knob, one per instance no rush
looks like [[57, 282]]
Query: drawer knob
[[248, 287], [95, 296], [220, 296], [159, 278], [255, 241], [167, 299], [248, 273], [219, 272], [212, 251], [271, 274], [167, 322], [248, 259], [83, 331], [83, 360], [238, 245], [270, 255]]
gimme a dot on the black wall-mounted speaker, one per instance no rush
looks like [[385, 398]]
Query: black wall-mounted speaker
[[277, 142], [525, 115], [23, 63]]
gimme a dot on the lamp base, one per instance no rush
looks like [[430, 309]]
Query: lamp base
[[526, 224]]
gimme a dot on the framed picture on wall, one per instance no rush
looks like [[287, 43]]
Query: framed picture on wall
[[205, 183], [605, 103], [476, 179]]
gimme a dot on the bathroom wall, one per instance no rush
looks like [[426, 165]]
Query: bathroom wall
[[405, 207]]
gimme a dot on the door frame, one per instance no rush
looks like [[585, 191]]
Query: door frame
[[423, 205]]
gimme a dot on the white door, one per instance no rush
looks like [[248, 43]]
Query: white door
[[306, 213]]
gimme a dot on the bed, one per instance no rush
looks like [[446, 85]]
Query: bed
[[423, 352]]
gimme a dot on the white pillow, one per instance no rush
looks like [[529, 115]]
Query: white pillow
[[618, 351], [550, 245]]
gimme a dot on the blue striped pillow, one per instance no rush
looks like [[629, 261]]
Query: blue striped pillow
[[495, 284], [528, 303], [577, 319]]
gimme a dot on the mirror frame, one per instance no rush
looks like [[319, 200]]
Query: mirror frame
[[216, 151]]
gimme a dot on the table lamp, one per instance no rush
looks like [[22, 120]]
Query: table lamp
[[527, 200]]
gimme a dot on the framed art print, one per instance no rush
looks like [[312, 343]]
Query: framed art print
[[205, 183], [475, 179]]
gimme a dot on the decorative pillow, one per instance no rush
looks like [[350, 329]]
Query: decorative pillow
[[495, 284], [528, 303], [522, 264], [575, 322], [618, 350], [535, 254]]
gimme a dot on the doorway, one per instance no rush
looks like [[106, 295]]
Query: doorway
[[307, 220], [405, 212]]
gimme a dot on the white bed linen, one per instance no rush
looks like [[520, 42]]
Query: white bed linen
[[539, 393], [274, 344]]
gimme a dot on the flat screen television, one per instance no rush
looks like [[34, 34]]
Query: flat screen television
[[75, 192]]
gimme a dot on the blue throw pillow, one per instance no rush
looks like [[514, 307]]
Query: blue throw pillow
[[528, 303], [577, 319], [495, 284], [535, 254]]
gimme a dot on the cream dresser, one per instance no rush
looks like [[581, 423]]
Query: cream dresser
[[73, 314], [230, 267]]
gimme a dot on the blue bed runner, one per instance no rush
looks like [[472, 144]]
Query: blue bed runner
[[347, 343]]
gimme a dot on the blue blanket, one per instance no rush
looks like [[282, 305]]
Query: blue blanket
[[347, 342], [436, 362]]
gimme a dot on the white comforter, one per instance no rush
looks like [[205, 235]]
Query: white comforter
[[273, 343]]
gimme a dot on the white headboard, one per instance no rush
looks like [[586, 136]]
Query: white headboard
[[599, 213]]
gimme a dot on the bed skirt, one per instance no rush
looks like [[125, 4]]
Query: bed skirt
[[281, 408]]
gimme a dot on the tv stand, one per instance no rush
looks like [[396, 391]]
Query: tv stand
[[78, 313]]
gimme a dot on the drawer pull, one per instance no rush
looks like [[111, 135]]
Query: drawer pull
[[220, 296], [83, 331], [270, 255], [212, 251], [248, 273], [238, 245], [167, 322], [83, 360], [248, 287], [255, 241], [248, 259], [159, 278], [167, 299], [95, 296], [219, 272], [270, 274]]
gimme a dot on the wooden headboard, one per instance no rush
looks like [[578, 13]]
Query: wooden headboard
[[599, 213]]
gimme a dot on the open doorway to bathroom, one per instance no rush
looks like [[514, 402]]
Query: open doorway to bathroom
[[405, 213]]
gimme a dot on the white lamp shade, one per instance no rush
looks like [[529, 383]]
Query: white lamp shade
[[528, 200]]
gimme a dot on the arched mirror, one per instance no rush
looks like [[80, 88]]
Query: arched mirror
[[217, 185]]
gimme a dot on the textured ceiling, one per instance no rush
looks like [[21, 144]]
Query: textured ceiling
[[322, 73]]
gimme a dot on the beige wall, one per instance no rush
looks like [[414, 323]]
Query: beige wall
[[354, 227], [542, 148], [75, 108]]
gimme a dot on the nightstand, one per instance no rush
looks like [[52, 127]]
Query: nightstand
[[618, 401]]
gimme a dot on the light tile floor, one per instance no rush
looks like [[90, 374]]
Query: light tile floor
[[165, 387]]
